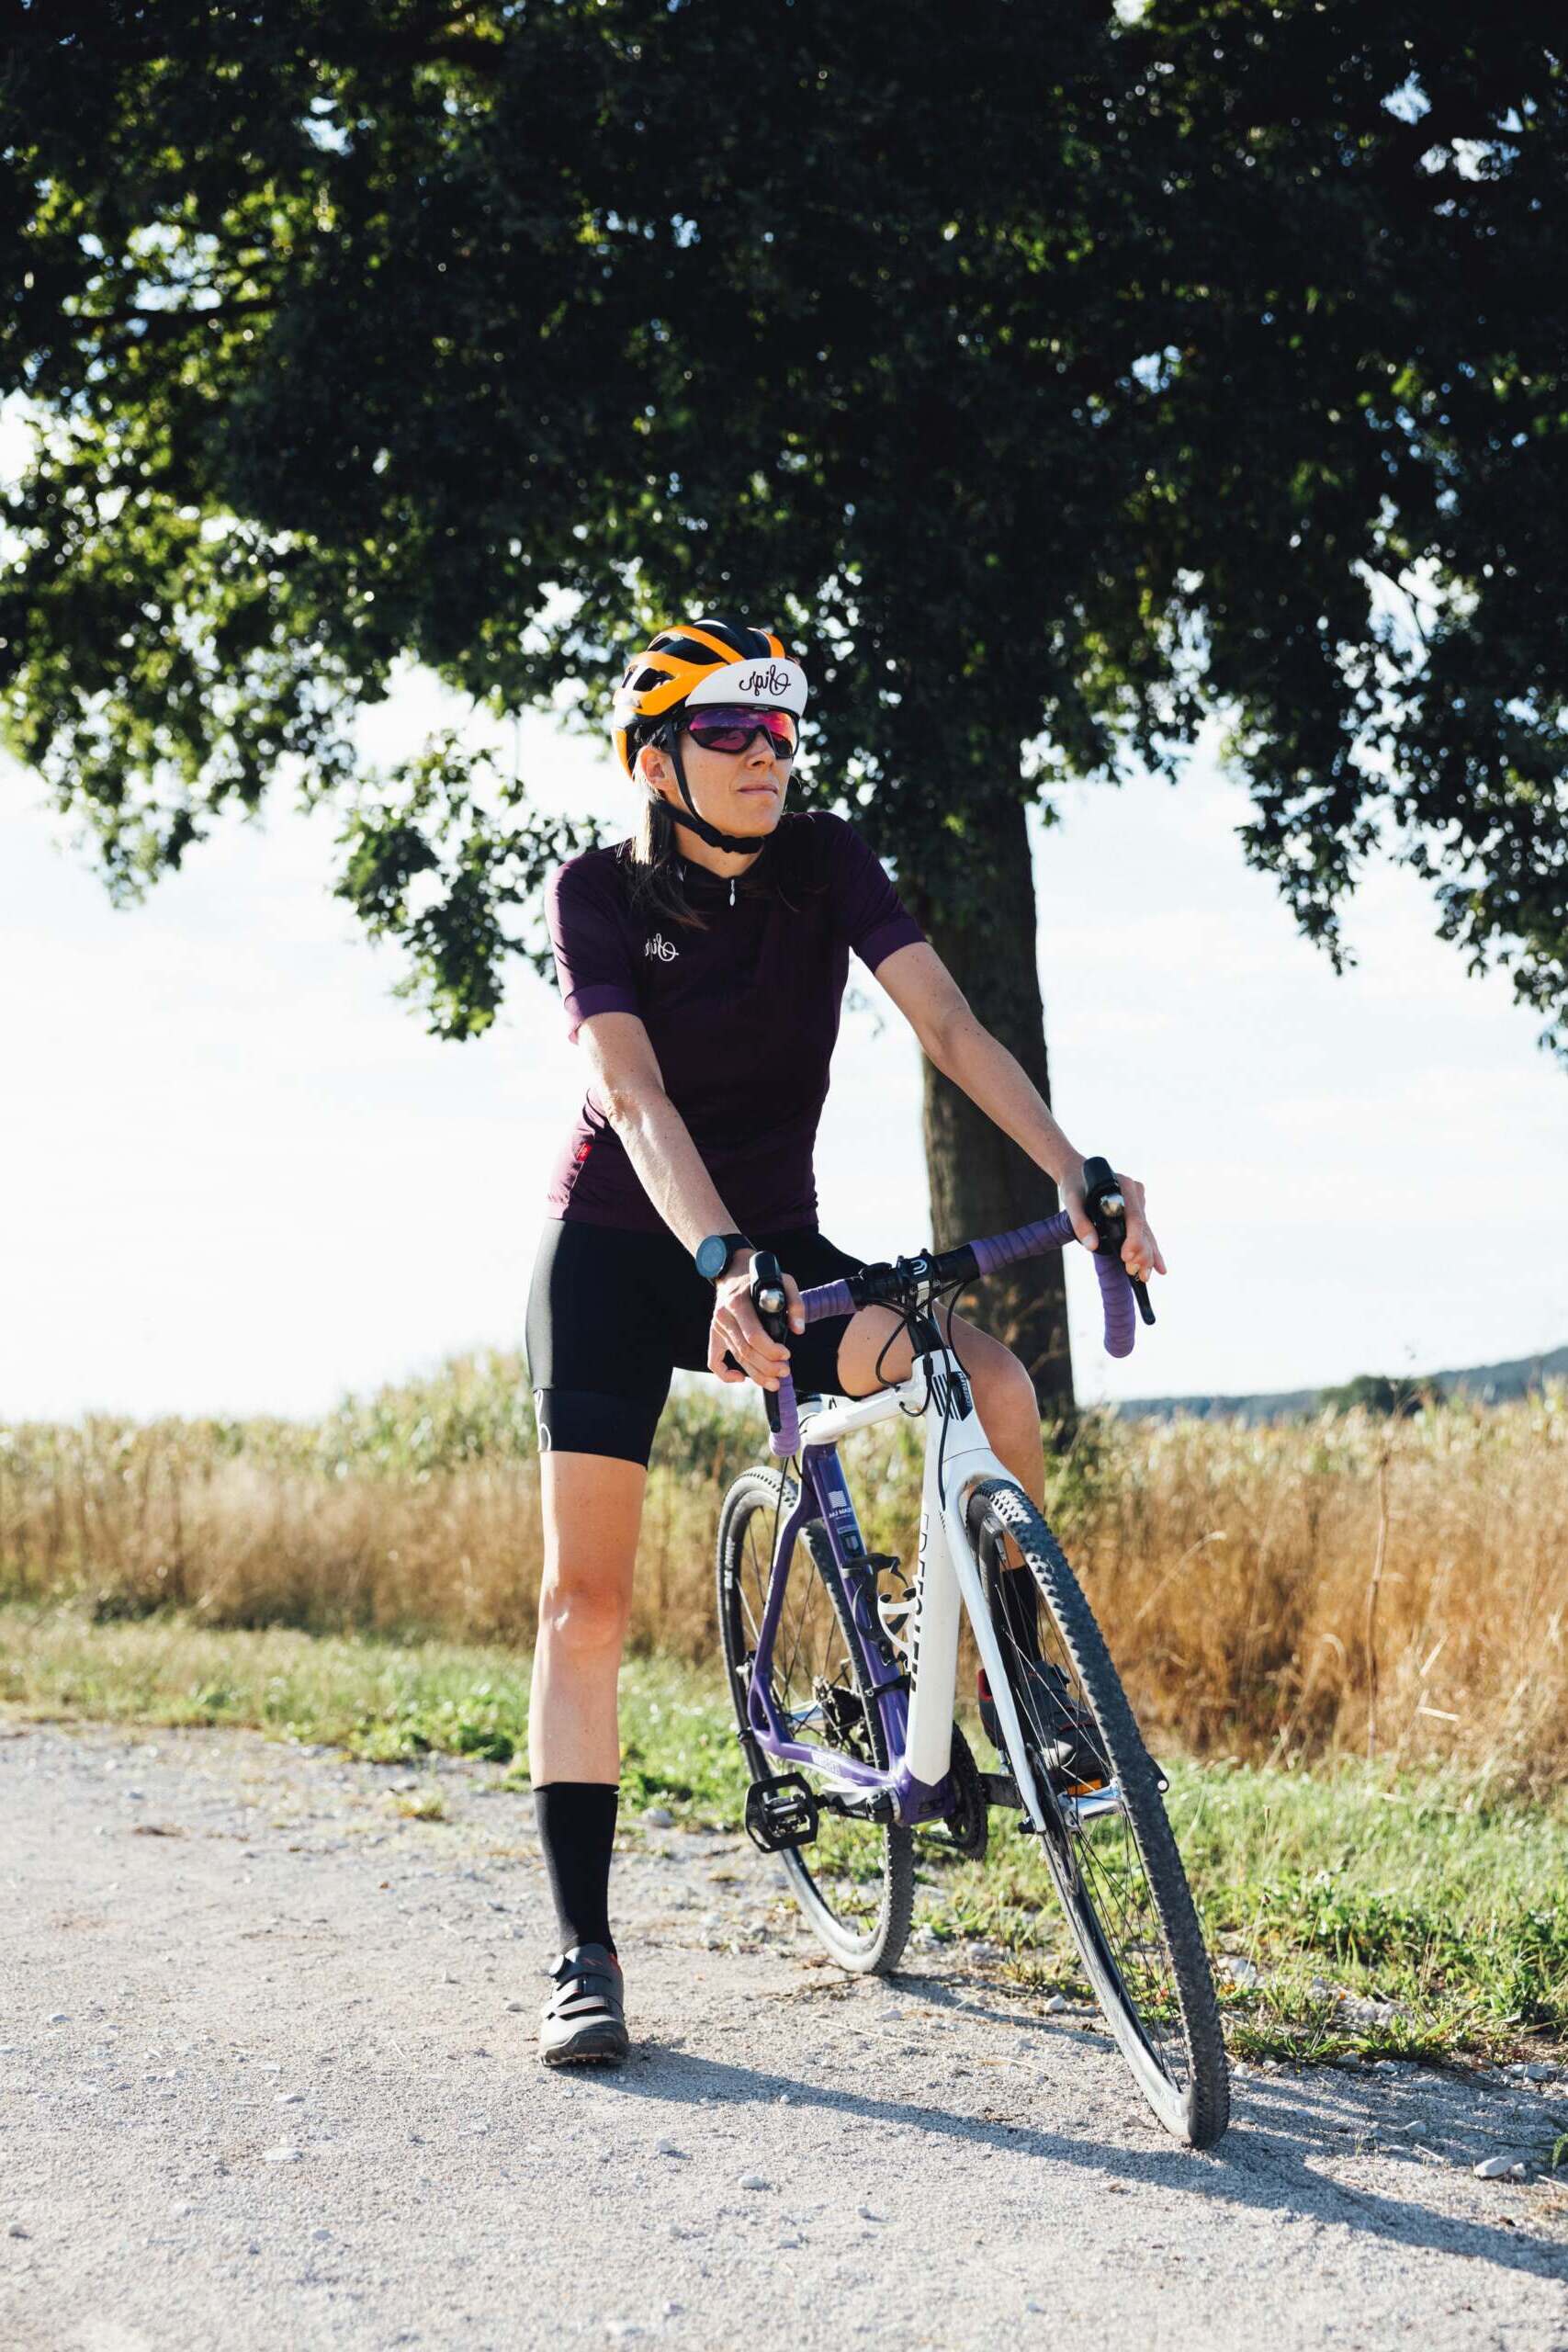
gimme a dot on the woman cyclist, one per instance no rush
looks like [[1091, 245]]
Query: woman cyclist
[[702, 962]]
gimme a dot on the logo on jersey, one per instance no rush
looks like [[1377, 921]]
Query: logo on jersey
[[769, 680], [662, 947]]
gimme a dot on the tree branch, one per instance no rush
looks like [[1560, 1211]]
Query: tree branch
[[168, 323]]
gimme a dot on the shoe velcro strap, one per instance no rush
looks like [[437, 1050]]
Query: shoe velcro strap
[[569, 2007], [583, 1985]]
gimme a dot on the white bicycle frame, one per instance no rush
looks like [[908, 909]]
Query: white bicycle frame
[[958, 1456], [918, 1784]]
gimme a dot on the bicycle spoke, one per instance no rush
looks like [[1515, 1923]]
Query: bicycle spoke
[[1117, 1887], [1154, 1994], [1165, 2023], [854, 1881]]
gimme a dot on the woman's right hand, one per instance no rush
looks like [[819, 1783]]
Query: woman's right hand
[[739, 1348]]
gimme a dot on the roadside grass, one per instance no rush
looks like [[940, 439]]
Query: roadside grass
[[423, 1805], [1349, 1915], [1337, 1586], [1363, 1913]]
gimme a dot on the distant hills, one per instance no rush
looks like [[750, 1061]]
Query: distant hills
[[1492, 1383]]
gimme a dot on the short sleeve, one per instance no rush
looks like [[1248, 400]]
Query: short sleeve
[[593, 961], [871, 916]]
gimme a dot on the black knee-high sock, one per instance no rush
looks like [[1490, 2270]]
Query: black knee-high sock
[[577, 1830]]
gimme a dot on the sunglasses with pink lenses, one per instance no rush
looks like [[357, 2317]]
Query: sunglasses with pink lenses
[[733, 727]]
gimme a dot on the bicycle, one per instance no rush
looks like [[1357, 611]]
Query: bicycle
[[843, 1672]]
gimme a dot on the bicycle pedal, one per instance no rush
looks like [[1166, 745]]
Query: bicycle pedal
[[781, 1813], [881, 1805]]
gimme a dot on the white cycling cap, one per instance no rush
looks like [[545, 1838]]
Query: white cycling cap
[[774, 683]]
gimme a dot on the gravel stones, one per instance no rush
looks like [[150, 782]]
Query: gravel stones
[[405, 2215]]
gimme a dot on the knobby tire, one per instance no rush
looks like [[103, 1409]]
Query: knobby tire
[[1196, 2109], [881, 1853]]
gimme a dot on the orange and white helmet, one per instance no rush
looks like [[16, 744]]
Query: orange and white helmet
[[708, 661]]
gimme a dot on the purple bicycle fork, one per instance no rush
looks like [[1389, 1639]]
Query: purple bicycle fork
[[823, 1494]]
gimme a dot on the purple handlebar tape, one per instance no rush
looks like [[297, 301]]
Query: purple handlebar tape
[[785, 1440], [1028, 1241], [832, 1298], [1000, 1250], [1054, 1233]]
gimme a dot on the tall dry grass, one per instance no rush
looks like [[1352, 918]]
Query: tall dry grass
[[414, 1512], [1392, 1587], [1349, 1583]]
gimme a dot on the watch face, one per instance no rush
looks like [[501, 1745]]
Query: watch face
[[712, 1256]]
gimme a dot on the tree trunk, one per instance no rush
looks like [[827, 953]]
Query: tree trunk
[[981, 1182]]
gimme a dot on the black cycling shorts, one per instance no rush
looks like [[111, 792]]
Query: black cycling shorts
[[612, 1313]]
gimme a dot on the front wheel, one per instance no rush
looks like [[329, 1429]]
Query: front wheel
[[1118, 1871], [855, 1882]]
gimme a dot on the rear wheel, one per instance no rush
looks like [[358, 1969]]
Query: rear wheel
[[855, 1882], [1119, 1875]]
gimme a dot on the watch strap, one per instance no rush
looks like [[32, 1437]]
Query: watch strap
[[734, 1241]]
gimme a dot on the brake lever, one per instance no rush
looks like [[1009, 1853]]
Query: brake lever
[[1107, 1212], [770, 1302]]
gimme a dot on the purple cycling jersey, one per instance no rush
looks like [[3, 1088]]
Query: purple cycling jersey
[[742, 1015]]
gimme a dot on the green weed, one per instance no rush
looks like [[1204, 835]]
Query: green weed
[[1384, 1914]]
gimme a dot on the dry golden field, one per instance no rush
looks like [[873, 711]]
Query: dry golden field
[[1350, 1584]]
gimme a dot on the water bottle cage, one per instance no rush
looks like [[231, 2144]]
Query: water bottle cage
[[893, 1609]]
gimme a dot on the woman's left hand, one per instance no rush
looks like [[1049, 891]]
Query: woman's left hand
[[1140, 1251]]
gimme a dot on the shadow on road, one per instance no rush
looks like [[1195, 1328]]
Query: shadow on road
[[1269, 2160]]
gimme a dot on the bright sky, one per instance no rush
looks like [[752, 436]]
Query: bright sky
[[240, 1177]]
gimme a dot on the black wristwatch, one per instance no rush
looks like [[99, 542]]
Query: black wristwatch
[[712, 1256]]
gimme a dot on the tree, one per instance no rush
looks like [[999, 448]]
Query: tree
[[1377, 1393], [1057, 376]]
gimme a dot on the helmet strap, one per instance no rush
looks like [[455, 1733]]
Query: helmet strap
[[693, 822]]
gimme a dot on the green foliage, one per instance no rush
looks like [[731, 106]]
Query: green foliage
[[1085, 1458], [1384, 1917], [1374, 1392], [1058, 379], [475, 1408], [484, 1720], [1445, 1916], [472, 1408]]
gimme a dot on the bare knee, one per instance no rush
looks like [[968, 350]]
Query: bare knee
[[593, 1508], [583, 1613], [1004, 1394]]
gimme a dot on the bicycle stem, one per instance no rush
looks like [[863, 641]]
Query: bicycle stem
[[912, 1283]]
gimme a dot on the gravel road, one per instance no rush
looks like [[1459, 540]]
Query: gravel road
[[268, 2079]]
